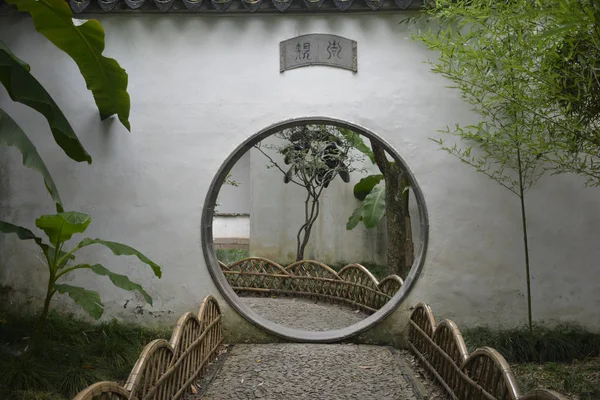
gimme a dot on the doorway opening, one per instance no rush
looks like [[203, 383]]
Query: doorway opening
[[314, 229]]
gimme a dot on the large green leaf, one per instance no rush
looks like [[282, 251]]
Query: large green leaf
[[374, 206], [26, 234], [120, 249], [51, 251], [365, 185], [355, 218], [87, 299], [121, 281], [62, 226], [11, 134], [24, 88], [84, 44], [22, 233]]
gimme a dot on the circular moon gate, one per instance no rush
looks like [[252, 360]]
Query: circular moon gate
[[268, 325]]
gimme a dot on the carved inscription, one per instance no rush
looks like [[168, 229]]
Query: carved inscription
[[318, 49]]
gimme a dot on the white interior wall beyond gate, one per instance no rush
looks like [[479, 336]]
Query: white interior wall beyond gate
[[199, 86]]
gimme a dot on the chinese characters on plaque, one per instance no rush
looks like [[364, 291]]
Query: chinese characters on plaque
[[318, 49]]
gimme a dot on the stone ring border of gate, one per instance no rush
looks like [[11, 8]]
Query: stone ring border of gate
[[245, 311]]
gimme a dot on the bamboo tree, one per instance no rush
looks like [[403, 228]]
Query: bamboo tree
[[490, 57]]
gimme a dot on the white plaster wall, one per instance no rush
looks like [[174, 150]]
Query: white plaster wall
[[236, 199], [231, 226], [200, 85]]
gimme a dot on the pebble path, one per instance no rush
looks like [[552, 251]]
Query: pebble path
[[305, 314], [312, 371]]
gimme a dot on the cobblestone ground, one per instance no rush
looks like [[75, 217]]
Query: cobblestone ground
[[312, 371], [305, 314]]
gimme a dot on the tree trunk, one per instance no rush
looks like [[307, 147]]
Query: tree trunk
[[312, 204], [409, 247], [399, 233]]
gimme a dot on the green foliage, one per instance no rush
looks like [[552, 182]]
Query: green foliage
[[579, 379], [120, 249], [494, 53], [73, 355], [87, 299], [565, 358], [103, 76], [537, 61], [316, 155], [120, 281], [61, 227], [229, 181], [24, 88], [11, 134], [374, 206], [355, 218], [355, 140], [365, 185], [371, 210], [23, 234], [229, 256], [564, 343]]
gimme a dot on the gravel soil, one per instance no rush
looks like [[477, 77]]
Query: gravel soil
[[305, 314], [310, 371]]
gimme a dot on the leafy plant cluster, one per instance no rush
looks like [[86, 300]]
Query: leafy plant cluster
[[564, 343], [529, 70], [384, 194], [74, 355], [316, 155], [108, 83], [565, 358], [229, 256], [579, 379]]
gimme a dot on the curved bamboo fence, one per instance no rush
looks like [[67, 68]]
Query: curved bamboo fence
[[353, 285], [165, 369], [481, 375]]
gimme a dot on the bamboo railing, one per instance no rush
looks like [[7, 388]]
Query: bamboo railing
[[353, 285], [481, 375], [165, 369]]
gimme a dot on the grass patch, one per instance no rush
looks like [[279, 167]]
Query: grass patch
[[564, 343], [579, 379], [565, 358], [229, 256], [72, 355]]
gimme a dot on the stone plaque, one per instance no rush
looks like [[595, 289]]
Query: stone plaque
[[318, 49]]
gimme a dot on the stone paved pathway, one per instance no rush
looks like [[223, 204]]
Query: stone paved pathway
[[305, 314], [312, 371]]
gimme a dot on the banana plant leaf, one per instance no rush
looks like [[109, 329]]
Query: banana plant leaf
[[120, 249], [374, 206], [365, 185], [88, 300], [24, 88], [103, 76], [121, 281], [11, 134], [61, 227]]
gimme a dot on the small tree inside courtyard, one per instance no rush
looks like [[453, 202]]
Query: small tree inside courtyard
[[313, 156]]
